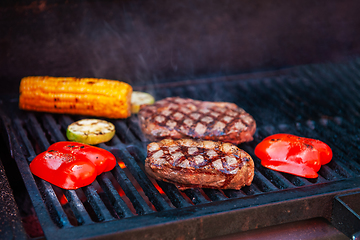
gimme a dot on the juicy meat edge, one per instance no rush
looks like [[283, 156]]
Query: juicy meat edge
[[186, 178], [155, 132]]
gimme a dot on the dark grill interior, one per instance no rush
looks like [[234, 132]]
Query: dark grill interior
[[317, 101]]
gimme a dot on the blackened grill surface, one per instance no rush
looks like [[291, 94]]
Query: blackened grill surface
[[317, 101]]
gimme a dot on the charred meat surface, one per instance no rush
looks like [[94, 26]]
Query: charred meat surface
[[191, 163], [177, 118]]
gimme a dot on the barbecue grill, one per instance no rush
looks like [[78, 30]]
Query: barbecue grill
[[316, 100]]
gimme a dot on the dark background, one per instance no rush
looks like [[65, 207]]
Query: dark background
[[143, 42]]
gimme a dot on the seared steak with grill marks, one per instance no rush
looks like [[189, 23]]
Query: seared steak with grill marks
[[176, 118], [193, 163]]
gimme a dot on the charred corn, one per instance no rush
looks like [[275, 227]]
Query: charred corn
[[84, 96]]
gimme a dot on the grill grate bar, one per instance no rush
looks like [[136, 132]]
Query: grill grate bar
[[343, 85], [53, 128], [338, 108], [196, 196], [298, 101], [153, 194], [96, 203], [247, 101], [115, 141], [178, 92], [53, 205], [275, 178], [344, 73], [251, 102], [138, 202], [329, 105], [173, 194], [134, 125], [354, 64], [352, 148], [163, 93], [288, 99], [77, 207], [354, 71], [307, 95], [274, 112], [192, 92], [35, 129], [251, 190], [281, 101], [23, 136], [278, 178], [214, 195], [234, 193], [343, 126], [348, 98], [290, 109], [169, 189], [116, 201], [125, 133], [263, 183]]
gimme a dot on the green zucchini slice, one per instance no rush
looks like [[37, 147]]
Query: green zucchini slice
[[140, 98], [90, 131]]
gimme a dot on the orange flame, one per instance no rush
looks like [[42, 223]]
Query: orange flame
[[122, 165], [60, 195], [158, 187], [63, 200]]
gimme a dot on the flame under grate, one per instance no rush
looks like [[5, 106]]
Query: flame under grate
[[314, 101]]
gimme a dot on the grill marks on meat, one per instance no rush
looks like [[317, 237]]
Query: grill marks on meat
[[180, 159], [177, 118], [193, 163]]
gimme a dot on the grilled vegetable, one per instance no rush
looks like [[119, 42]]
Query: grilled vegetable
[[292, 154], [102, 159], [85, 96], [63, 170], [140, 98], [72, 165], [90, 131]]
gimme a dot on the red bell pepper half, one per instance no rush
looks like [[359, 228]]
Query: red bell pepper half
[[71, 165], [292, 154]]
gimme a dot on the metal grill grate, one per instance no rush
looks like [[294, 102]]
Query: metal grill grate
[[313, 101]]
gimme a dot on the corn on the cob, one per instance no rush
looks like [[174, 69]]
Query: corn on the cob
[[85, 96]]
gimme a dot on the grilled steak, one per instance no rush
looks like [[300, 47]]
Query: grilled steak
[[193, 163], [177, 118]]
